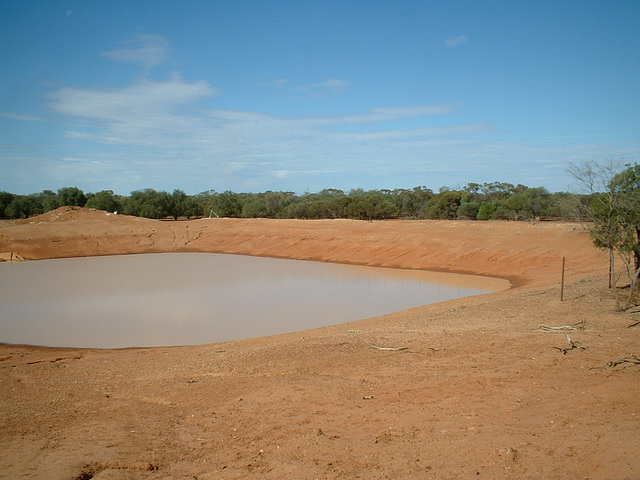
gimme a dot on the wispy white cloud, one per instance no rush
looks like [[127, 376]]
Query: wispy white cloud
[[328, 86], [182, 139], [456, 41], [280, 83], [22, 117], [387, 114], [143, 113], [146, 50], [471, 129]]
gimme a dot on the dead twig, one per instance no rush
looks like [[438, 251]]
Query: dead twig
[[388, 349], [573, 345], [634, 324], [562, 328], [630, 359]]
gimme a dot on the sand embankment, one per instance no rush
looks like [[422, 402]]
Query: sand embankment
[[519, 251], [468, 388]]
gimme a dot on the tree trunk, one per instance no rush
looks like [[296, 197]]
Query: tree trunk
[[612, 269], [634, 283], [636, 252], [612, 277]]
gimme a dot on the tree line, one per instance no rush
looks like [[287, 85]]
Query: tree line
[[474, 201]]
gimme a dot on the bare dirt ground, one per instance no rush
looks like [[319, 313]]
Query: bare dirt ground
[[471, 388]]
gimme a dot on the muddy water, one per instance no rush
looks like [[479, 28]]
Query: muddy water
[[194, 298]]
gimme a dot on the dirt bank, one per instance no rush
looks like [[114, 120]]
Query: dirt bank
[[468, 388]]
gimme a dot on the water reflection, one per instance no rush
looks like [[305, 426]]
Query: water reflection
[[193, 298]]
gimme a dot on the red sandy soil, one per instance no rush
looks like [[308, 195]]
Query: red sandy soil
[[470, 388]]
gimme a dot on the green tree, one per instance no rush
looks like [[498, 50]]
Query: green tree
[[147, 203], [539, 201], [205, 203], [5, 199], [468, 210], [444, 206], [486, 211], [229, 204], [71, 196], [519, 204], [497, 191], [562, 205], [613, 208], [501, 210], [371, 206], [277, 202], [104, 200], [49, 200], [627, 186], [24, 206], [182, 205], [254, 208]]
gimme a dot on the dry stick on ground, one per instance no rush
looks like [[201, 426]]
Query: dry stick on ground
[[630, 359], [557, 329], [574, 326], [389, 349], [573, 345]]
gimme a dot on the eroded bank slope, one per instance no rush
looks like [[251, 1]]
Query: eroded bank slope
[[520, 251]]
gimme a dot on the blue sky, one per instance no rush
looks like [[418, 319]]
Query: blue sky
[[299, 96]]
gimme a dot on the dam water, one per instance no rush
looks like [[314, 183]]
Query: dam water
[[196, 298]]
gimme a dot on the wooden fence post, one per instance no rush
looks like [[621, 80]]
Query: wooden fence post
[[562, 282]]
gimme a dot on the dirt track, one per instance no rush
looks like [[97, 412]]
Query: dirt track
[[471, 388]]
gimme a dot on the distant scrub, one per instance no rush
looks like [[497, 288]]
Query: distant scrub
[[475, 201]]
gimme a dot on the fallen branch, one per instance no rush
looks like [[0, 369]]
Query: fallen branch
[[388, 349], [557, 329], [562, 328], [573, 345], [630, 359]]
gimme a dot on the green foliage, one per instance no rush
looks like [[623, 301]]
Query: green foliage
[[147, 203], [370, 206], [254, 208], [229, 204], [24, 206], [501, 210], [5, 199], [468, 210], [614, 210], [71, 196], [277, 202], [475, 201], [182, 205], [49, 200], [519, 204], [105, 200], [444, 206], [486, 211], [626, 185]]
